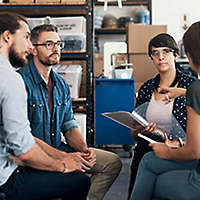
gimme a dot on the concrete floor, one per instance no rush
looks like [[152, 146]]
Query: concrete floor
[[119, 189]]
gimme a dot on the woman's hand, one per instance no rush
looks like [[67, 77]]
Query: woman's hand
[[160, 149], [172, 93], [174, 144]]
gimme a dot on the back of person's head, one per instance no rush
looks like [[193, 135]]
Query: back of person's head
[[10, 21], [191, 42], [163, 40], [36, 31]]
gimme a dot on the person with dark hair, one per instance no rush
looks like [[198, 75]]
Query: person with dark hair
[[175, 173], [50, 112], [29, 168], [160, 109]]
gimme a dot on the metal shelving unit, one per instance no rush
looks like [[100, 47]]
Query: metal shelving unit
[[71, 8]]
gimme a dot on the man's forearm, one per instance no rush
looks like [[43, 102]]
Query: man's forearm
[[75, 140], [51, 151], [38, 159]]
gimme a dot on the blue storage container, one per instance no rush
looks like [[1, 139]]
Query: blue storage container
[[112, 95]]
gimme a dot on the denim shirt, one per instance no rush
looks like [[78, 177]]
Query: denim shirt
[[15, 132], [48, 128]]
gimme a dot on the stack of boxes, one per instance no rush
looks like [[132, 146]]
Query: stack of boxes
[[48, 1], [138, 38]]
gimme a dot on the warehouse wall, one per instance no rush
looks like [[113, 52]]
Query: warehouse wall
[[171, 13]]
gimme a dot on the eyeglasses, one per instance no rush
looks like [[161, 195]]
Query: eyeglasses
[[165, 52], [50, 45]]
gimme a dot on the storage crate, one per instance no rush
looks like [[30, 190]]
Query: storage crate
[[32, 22], [74, 42], [72, 75], [69, 25], [81, 121], [112, 95]]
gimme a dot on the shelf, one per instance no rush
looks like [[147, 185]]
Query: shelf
[[74, 2], [124, 3], [29, 9], [100, 31]]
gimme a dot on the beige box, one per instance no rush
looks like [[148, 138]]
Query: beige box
[[143, 69], [98, 64], [139, 36], [21, 1], [73, 1], [47, 1]]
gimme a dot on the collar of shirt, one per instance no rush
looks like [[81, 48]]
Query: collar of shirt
[[36, 75]]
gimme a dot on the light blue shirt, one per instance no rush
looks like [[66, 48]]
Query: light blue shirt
[[15, 132]]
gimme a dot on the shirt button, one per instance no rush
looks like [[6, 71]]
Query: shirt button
[[40, 105], [33, 105], [53, 134]]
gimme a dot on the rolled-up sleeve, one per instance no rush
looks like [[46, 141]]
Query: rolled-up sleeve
[[14, 111]]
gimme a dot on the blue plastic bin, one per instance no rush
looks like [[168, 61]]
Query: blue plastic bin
[[112, 95]]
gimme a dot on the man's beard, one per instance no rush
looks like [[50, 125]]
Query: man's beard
[[48, 63], [15, 59]]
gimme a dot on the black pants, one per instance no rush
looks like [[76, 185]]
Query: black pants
[[30, 184]]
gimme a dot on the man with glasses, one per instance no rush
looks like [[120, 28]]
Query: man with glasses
[[29, 168], [158, 107], [50, 113]]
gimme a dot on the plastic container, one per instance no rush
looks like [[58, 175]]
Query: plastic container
[[74, 42], [123, 73], [69, 25], [72, 75]]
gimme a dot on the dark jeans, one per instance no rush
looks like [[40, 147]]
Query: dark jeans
[[30, 184]]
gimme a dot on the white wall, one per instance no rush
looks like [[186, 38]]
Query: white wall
[[170, 12]]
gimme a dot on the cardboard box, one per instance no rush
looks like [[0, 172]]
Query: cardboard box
[[73, 1], [47, 1], [98, 65], [143, 69], [139, 36], [21, 1]]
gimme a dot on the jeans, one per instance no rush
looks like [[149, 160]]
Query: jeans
[[104, 172], [30, 184], [166, 179]]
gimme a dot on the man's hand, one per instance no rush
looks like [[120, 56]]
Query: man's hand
[[77, 162], [17, 160], [90, 156]]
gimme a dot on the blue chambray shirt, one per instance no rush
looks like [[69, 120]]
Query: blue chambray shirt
[[15, 132], [62, 119]]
